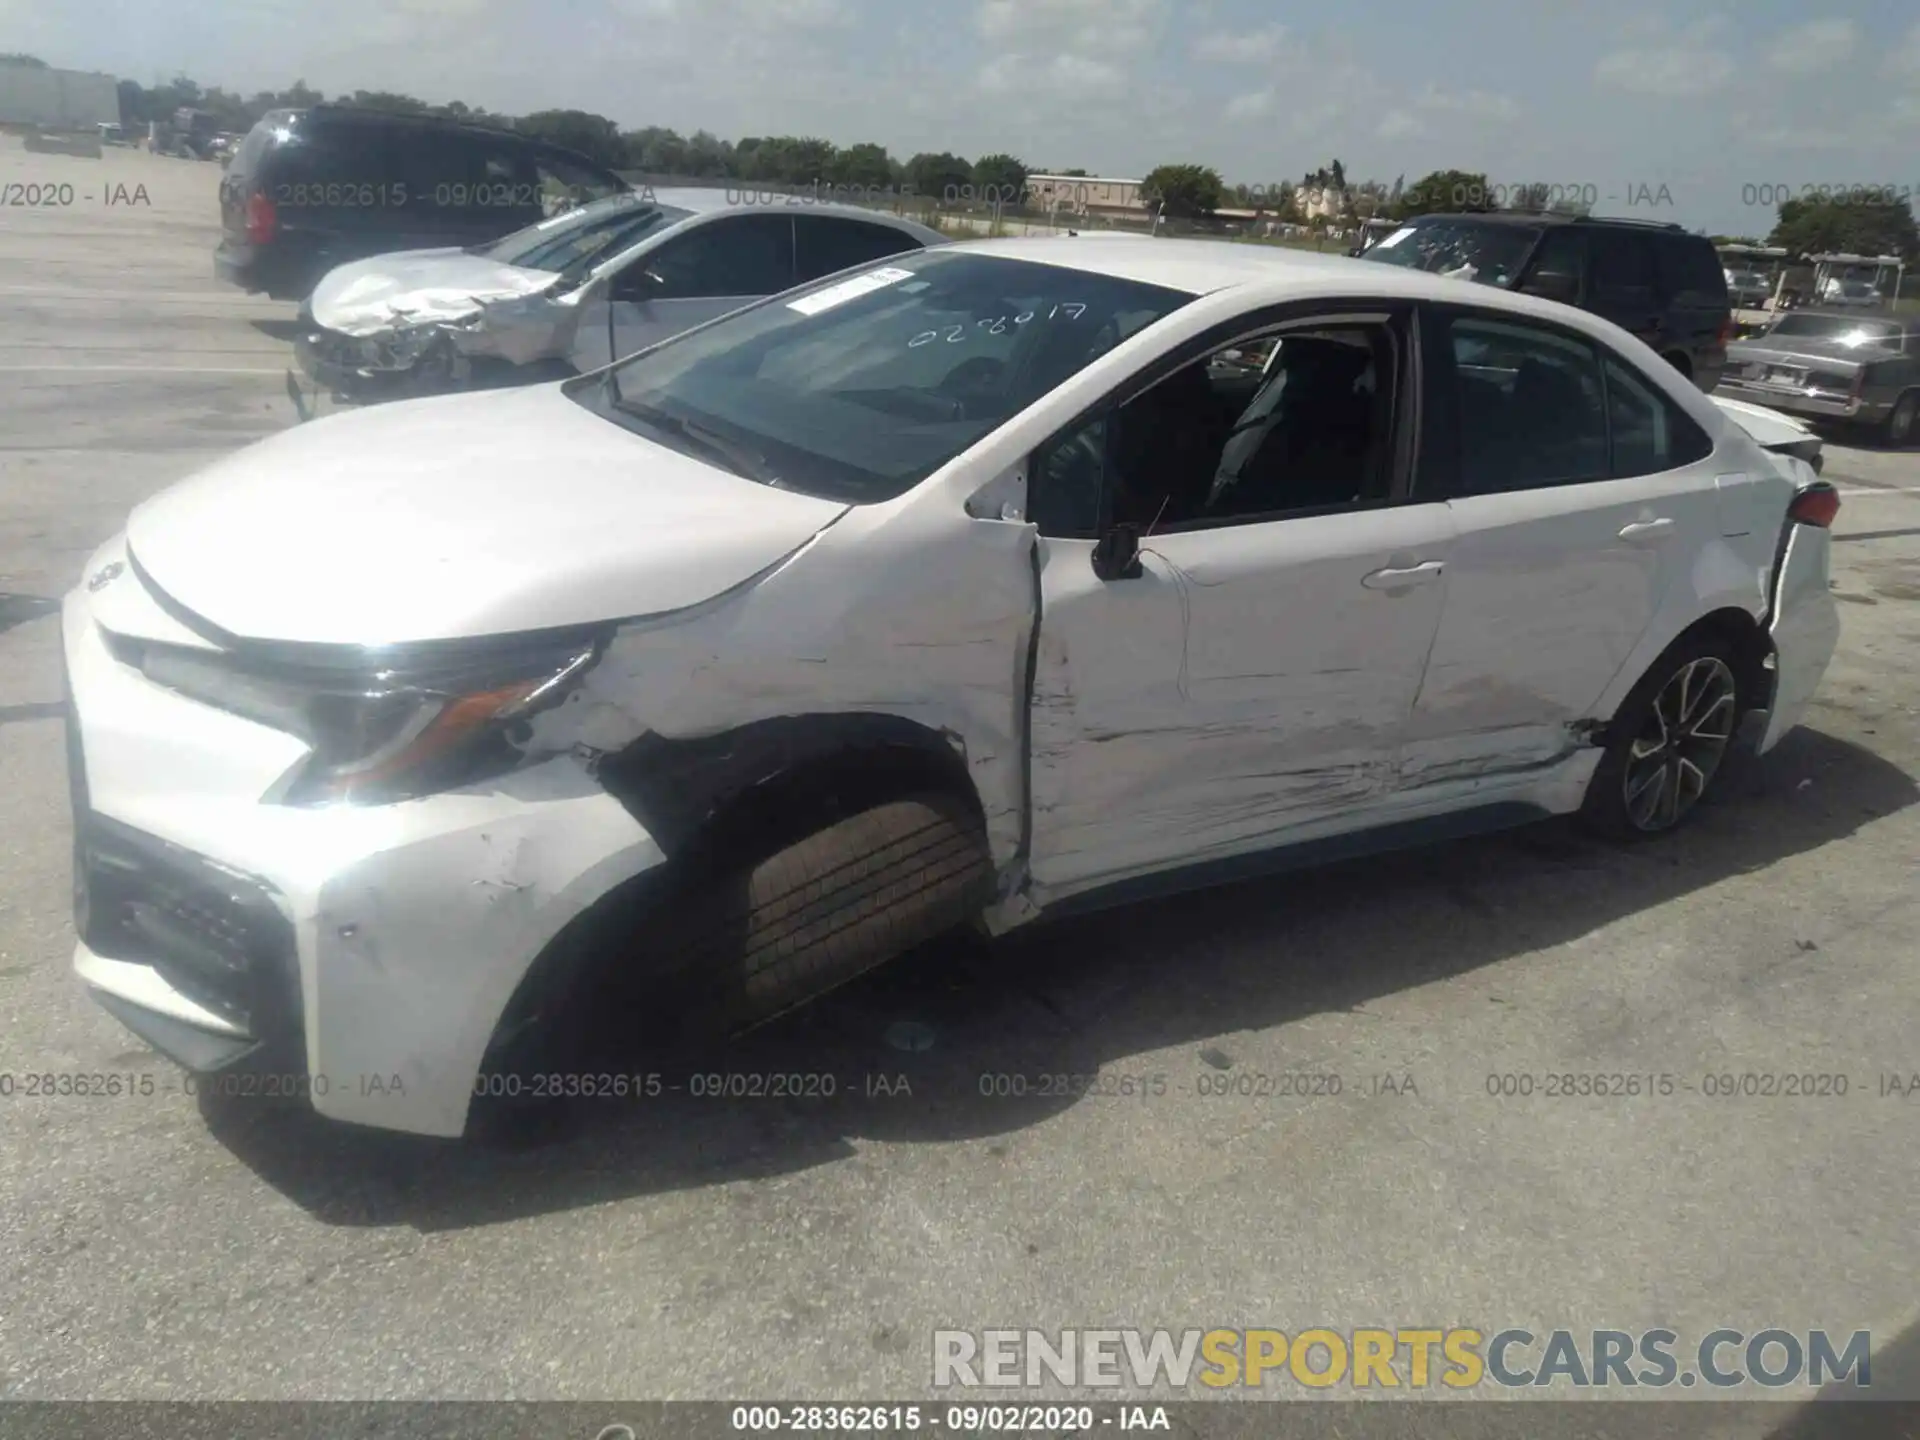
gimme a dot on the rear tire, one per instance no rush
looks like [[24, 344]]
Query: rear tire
[[1903, 425], [1668, 742]]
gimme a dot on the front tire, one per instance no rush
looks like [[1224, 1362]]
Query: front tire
[[825, 909], [1667, 744]]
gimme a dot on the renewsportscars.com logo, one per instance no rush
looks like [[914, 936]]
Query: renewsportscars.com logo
[[1415, 1358]]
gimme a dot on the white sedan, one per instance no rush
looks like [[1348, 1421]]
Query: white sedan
[[968, 588]]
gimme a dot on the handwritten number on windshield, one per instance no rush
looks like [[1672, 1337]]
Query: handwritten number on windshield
[[995, 324]]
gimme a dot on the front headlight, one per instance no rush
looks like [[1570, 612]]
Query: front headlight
[[401, 726]]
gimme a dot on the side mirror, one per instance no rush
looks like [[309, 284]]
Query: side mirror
[[1553, 285], [1116, 555]]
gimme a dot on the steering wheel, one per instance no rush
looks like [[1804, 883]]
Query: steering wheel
[[978, 378]]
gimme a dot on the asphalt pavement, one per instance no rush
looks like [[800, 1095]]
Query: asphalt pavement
[[163, 1246]]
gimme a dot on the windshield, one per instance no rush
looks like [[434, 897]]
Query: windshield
[[858, 389], [572, 242], [1834, 327], [1489, 253]]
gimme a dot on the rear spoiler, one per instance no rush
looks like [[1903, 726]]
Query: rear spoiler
[[1772, 430]]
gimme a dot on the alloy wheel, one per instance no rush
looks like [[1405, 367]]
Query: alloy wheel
[[1680, 745]]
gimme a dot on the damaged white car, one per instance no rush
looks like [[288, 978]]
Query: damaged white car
[[567, 294], [963, 589]]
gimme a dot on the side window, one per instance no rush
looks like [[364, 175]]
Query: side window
[[319, 156], [741, 255], [827, 245], [1622, 270], [1562, 252], [1690, 269], [1527, 403], [565, 184], [1222, 441], [435, 166], [1650, 433]]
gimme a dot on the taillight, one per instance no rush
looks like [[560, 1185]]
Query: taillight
[[1816, 504], [261, 219], [1727, 331]]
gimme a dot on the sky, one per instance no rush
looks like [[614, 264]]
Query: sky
[[1700, 115]]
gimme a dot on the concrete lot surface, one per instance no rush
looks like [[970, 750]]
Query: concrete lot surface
[[162, 1247]]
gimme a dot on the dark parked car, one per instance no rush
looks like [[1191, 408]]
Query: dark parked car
[[1834, 365], [1656, 280], [311, 189]]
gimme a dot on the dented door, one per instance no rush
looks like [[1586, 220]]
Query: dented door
[[1251, 683]]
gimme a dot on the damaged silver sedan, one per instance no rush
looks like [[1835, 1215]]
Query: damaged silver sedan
[[568, 294], [968, 588]]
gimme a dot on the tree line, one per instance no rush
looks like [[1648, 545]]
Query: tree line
[[1324, 195]]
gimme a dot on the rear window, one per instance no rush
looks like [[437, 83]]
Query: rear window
[[255, 147], [1843, 328], [1688, 265]]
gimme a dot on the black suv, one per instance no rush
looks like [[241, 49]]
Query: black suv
[[1656, 280], [311, 189]]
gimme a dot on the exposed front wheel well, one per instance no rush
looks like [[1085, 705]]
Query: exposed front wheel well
[[719, 807]]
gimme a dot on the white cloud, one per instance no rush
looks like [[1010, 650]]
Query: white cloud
[[1691, 62], [1476, 104], [1251, 106], [1904, 58], [1073, 26], [1398, 125], [1816, 45], [1245, 47], [1076, 77]]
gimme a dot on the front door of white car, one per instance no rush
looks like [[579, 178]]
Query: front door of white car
[[1579, 495], [1250, 680], [694, 274]]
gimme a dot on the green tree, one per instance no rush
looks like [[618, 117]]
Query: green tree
[[1822, 226], [998, 175], [390, 101], [594, 136], [865, 166], [1183, 192], [656, 150], [1446, 190], [939, 177]]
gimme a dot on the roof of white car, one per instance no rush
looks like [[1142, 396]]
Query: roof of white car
[[712, 199], [1202, 267]]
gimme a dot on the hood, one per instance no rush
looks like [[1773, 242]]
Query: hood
[[460, 516], [1767, 428], [369, 297], [1803, 347]]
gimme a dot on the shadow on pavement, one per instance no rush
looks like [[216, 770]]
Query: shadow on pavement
[[1074, 996]]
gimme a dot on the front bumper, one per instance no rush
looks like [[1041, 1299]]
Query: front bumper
[[328, 362], [371, 948]]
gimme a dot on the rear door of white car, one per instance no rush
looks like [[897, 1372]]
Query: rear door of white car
[[1250, 681], [1580, 496]]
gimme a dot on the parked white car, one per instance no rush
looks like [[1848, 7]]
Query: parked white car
[[572, 292], [965, 588]]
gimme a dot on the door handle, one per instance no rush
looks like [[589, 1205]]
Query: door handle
[[1647, 529], [1394, 579]]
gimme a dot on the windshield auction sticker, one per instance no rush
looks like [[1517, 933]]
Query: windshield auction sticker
[[850, 290]]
